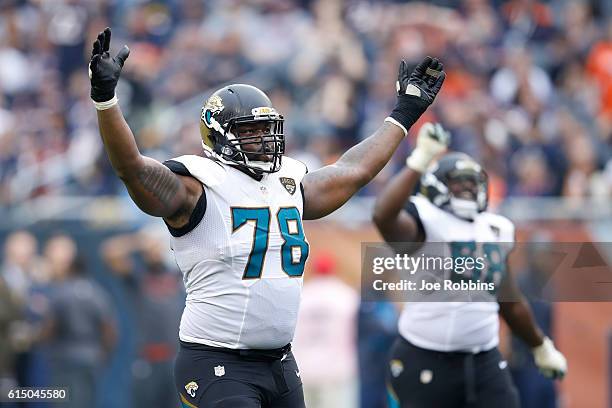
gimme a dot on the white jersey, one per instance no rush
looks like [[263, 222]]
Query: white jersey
[[242, 264], [456, 326]]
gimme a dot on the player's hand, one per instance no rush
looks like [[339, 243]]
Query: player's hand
[[416, 91], [431, 141], [424, 82], [549, 360], [104, 70]]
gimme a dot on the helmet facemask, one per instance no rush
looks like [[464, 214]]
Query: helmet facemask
[[467, 193], [256, 142], [462, 190]]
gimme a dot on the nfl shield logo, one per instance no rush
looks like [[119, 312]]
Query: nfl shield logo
[[426, 376], [288, 183], [219, 371]]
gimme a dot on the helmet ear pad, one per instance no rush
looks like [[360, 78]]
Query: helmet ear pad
[[207, 136]]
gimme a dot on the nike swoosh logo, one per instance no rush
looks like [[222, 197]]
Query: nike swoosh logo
[[297, 373]]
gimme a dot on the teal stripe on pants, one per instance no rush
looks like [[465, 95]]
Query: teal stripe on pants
[[392, 400]]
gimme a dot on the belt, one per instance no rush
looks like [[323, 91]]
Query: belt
[[448, 354], [247, 354]]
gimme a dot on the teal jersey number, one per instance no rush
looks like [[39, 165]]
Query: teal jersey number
[[493, 256], [261, 216], [459, 250], [290, 225], [496, 262], [294, 245]]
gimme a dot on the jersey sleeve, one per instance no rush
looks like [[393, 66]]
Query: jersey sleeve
[[430, 218], [205, 171], [296, 170], [293, 168], [506, 231]]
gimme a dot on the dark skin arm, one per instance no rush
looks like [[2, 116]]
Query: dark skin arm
[[517, 313], [153, 187], [394, 223], [328, 188]]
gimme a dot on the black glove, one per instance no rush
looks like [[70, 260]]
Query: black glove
[[417, 92], [103, 70]]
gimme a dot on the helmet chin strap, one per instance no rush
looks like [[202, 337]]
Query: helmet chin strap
[[210, 151], [265, 166], [463, 208]]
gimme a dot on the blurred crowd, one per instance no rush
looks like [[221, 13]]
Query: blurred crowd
[[528, 92], [59, 326]]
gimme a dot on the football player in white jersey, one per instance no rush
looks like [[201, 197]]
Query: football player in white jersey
[[235, 216], [446, 354]]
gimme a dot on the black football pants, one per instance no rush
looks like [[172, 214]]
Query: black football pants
[[210, 377], [420, 378]]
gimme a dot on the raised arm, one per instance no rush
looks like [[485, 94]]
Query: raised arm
[[392, 220], [153, 187], [328, 188]]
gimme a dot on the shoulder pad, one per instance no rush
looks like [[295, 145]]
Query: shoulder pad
[[294, 168], [434, 220], [206, 170], [504, 225]]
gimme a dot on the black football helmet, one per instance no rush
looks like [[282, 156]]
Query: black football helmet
[[457, 183], [240, 126]]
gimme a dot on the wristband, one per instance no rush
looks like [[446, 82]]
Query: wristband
[[546, 347], [396, 123], [106, 104], [408, 110]]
